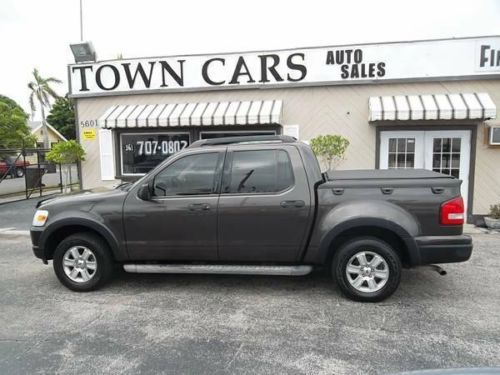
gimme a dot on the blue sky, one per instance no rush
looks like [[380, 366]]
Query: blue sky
[[37, 33]]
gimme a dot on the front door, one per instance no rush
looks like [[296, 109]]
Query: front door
[[180, 221], [443, 151], [265, 205]]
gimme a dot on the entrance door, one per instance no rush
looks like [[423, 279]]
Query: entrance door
[[443, 151]]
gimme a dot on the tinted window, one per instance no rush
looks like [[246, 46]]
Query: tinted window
[[190, 175], [262, 171]]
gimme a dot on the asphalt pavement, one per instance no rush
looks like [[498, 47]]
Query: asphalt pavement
[[207, 324], [18, 215]]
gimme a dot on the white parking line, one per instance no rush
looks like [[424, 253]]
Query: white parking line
[[13, 232]]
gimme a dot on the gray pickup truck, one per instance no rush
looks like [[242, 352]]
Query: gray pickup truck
[[257, 205]]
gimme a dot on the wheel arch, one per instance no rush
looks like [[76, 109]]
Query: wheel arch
[[395, 235], [61, 230]]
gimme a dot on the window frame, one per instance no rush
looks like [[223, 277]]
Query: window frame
[[216, 186], [228, 165]]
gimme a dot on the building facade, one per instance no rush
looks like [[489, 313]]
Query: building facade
[[423, 104]]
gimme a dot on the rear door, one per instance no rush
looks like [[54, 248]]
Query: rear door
[[264, 206]]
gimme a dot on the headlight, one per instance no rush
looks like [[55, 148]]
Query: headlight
[[40, 218]]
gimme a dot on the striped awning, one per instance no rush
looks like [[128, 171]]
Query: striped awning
[[193, 114], [468, 106]]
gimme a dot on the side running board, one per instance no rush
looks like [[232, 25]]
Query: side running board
[[219, 269]]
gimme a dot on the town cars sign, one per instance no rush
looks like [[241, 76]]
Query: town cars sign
[[367, 63]]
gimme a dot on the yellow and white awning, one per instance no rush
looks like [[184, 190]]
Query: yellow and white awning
[[463, 106], [193, 114]]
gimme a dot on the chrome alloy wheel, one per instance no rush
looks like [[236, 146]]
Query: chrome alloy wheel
[[367, 271], [80, 264]]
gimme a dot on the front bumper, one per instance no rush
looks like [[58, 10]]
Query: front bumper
[[444, 249], [36, 233]]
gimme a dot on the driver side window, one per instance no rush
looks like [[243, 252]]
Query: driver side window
[[190, 175]]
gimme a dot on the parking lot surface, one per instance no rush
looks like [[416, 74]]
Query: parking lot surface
[[199, 324], [18, 215]]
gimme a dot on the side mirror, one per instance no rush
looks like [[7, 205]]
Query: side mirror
[[144, 192]]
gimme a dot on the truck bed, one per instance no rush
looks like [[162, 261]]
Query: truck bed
[[387, 178], [383, 174]]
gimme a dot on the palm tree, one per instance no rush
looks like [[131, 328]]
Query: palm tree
[[41, 91]]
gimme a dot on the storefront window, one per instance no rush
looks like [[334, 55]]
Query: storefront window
[[141, 152]]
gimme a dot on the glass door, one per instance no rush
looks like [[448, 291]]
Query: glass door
[[401, 149], [448, 152]]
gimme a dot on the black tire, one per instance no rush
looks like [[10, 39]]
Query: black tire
[[19, 172], [100, 250], [372, 246]]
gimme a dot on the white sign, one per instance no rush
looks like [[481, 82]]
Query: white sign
[[368, 63]]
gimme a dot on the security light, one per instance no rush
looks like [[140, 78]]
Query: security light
[[83, 52]]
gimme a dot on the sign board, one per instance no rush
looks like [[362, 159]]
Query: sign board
[[89, 134], [366, 63]]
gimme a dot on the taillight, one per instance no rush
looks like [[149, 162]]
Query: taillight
[[452, 212]]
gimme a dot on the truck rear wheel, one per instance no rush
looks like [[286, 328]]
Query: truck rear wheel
[[82, 262], [367, 269]]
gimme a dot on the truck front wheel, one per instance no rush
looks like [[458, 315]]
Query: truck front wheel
[[82, 262], [367, 269]]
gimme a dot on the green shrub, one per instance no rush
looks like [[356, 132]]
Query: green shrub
[[66, 152], [495, 211], [330, 148]]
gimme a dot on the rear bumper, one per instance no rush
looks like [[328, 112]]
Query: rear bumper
[[444, 249]]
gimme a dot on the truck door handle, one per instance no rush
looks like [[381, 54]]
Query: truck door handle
[[297, 204], [338, 191], [387, 190], [437, 190], [199, 207]]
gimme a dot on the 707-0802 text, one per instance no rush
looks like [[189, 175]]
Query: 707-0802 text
[[163, 147]]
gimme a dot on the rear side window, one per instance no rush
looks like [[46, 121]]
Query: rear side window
[[259, 171]]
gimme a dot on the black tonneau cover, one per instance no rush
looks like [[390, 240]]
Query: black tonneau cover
[[383, 174]]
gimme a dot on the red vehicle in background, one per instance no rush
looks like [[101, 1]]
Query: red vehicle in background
[[12, 166]]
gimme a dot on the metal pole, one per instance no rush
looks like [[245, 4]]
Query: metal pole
[[81, 21], [40, 174], [60, 178], [25, 169]]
